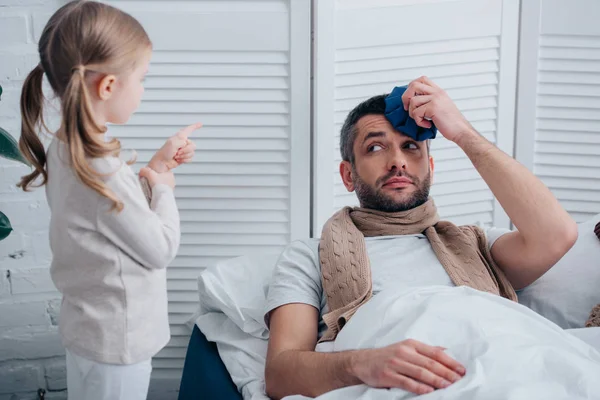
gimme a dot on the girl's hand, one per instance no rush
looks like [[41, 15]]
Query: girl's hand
[[177, 150], [154, 178]]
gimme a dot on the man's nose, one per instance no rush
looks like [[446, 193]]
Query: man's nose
[[396, 160]]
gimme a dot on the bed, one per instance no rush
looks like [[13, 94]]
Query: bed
[[226, 354]]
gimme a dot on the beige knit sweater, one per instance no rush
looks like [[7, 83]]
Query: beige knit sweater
[[110, 267]]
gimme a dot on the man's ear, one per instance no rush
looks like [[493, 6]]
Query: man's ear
[[431, 168], [346, 174], [106, 87]]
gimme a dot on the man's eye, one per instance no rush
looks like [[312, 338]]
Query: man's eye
[[411, 146], [374, 147]]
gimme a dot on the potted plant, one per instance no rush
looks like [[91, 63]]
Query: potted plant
[[8, 149]]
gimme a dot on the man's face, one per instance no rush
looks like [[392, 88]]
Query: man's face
[[392, 172]]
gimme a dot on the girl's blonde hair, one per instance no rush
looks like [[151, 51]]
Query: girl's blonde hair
[[81, 37]]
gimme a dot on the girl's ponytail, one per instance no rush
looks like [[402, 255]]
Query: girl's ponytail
[[78, 127], [32, 101]]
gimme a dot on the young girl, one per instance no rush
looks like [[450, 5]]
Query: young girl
[[110, 243]]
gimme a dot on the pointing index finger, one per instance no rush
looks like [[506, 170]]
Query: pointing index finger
[[187, 131]]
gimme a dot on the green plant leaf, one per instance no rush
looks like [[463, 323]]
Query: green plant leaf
[[9, 148], [5, 228]]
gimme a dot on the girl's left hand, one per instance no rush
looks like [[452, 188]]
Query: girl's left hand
[[177, 150], [165, 178]]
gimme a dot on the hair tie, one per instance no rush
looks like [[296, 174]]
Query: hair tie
[[78, 68]]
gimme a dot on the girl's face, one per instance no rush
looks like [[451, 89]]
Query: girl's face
[[127, 93]]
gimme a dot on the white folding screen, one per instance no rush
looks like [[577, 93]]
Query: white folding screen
[[558, 117], [243, 69]]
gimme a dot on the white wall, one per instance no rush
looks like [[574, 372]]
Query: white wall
[[31, 356]]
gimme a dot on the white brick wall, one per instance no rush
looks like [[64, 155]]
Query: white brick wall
[[31, 355]]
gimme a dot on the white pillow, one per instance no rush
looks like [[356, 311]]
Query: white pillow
[[233, 296], [567, 293], [238, 288]]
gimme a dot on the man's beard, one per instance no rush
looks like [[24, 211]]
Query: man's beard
[[375, 199]]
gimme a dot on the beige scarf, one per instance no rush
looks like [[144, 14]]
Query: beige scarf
[[346, 271], [594, 319]]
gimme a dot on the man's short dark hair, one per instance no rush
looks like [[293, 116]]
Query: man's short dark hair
[[372, 106]]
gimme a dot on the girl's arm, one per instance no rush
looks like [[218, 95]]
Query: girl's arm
[[147, 233]]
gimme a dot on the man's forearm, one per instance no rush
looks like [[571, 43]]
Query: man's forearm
[[528, 202], [309, 373]]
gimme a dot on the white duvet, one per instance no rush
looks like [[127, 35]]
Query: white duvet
[[509, 351]]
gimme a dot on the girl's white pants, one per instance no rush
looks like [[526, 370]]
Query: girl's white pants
[[90, 380]]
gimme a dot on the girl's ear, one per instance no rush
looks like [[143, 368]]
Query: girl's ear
[[106, 87]]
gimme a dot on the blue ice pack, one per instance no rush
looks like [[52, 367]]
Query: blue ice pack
[[401, 121]]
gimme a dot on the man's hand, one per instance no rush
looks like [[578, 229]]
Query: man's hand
[[177, 150], [426, 101], [409, 365], [294, 367]]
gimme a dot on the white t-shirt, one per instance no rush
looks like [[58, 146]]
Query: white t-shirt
[[396, 261]]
